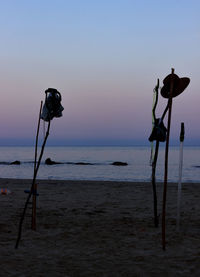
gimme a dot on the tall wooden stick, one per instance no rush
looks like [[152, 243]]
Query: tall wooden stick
[[31, 190], [37, 135], [153, 178], [180, 176], [166, 161], [34, 196], [33, 222], [165, 111], [156, 221]]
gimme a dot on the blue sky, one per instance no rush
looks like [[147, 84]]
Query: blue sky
[[104, 57]]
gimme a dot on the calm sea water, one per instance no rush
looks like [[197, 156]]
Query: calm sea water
[[138, 168]]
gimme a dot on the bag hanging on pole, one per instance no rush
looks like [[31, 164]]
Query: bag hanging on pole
[[52, 106], [159, 131]]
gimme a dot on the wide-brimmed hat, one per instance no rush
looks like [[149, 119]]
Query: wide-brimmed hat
[[179, 85]]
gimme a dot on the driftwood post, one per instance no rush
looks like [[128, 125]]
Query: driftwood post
[[159, 135], [32, 187], [182, 133], [173, 86], [156, 222], [153, 178], [33, 223], [52, 108], [166, 160]]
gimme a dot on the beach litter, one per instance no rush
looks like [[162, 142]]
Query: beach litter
[[5, 191]]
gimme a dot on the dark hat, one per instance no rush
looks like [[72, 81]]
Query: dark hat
[[179, 85]]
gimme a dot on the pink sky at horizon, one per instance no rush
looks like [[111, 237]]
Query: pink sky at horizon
[[104, 59]]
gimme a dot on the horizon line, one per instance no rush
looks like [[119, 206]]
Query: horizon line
[[94, 143]]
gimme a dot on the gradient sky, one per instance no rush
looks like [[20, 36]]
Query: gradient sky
[[104, 57]]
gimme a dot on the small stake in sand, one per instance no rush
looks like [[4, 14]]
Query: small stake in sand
[[173, 86], [52, 108], [182, 133]]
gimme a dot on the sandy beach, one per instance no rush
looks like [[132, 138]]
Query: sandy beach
[[90, 228]]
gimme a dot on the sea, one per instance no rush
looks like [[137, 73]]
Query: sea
[[96, 163]]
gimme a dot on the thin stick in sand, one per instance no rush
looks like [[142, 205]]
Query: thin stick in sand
[[52, 108], [34, 193], [33, 223], [166, 161], [37, 135], [153, 178], [182, 133], [32, 186], [158, 134]]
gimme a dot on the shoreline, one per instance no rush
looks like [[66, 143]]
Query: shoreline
[[61, 181], [99, 228]]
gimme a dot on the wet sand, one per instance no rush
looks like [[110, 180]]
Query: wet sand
[[90, 228]]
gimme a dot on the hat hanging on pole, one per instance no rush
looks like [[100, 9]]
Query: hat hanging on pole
[[179, 85], [173, 86]]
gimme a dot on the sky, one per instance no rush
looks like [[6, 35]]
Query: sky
[[104, 57]]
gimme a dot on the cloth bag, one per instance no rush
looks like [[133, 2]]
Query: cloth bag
[[52, 106]]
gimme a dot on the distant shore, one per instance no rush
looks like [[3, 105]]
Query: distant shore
[[99, 228]]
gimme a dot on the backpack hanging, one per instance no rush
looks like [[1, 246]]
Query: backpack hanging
[[52, 106], [159, 131]]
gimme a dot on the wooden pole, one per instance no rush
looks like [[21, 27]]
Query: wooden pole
[[34, 192], [180, 176], [166, 161], [153, 178], [37, 135], [165, 111], [33, 182]]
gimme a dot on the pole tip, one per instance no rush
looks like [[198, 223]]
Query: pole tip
[[182, 133]]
